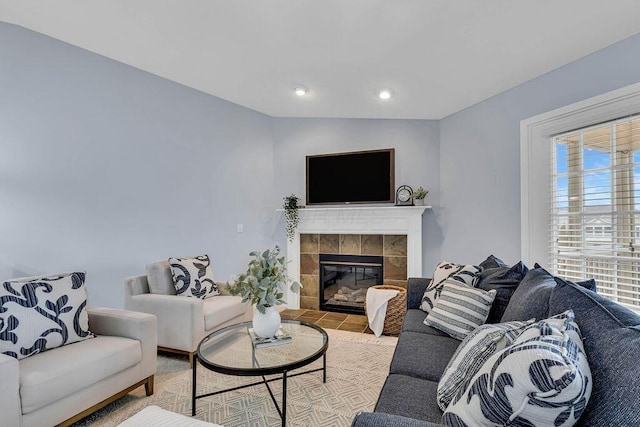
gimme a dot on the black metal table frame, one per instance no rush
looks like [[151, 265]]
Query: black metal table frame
[[282, 370]]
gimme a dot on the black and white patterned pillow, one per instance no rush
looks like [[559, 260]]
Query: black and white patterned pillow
[[460, 309], [41, 313], [193, 277], [542, 379], [467, 274], [474, 350]]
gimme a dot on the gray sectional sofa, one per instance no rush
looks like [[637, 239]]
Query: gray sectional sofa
[[611, 337]]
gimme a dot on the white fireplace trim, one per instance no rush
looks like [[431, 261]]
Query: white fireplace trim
[[358, 220]]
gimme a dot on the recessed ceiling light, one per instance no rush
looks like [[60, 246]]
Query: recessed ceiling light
[[385, 94], [301, 90]]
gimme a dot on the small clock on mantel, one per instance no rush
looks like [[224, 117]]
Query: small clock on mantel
[[404, 196]]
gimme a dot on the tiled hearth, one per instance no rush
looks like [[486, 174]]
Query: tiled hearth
[[324, 319], [393, 249]]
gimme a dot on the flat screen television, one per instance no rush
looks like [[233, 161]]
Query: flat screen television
[[356, 177]]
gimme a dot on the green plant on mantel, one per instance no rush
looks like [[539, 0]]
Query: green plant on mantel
[[264, 281], [291, 215], [420, 193]]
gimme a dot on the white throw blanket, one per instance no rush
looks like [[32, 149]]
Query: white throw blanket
[[377, 307]]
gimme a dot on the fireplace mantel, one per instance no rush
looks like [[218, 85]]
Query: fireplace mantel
[[405, 220]]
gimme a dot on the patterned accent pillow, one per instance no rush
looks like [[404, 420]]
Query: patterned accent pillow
[[542, 379], [474, 350], [41, 313], [460, 309], [193, 277], [467, 274]]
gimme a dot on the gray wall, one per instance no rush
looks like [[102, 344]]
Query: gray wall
[[106, 168], [416, 150], [480, 151]]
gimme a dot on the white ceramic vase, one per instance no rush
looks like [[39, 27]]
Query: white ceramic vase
[[266, 325], [418, 202]]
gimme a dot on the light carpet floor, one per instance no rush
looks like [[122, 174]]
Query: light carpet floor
[[357, 365]]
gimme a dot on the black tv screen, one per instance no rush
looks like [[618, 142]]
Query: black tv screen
[[357, 177]]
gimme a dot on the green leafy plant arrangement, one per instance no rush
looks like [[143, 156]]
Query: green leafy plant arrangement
[[420, 193], [291, 215], [265, 280]]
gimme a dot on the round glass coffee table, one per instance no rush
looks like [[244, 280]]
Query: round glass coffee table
[[230, 351]]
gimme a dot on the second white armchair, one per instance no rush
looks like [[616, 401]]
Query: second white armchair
[[182, 321]]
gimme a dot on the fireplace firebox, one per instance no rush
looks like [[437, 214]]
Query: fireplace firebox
[[344, 280]]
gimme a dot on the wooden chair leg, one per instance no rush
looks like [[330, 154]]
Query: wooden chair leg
[[191, 359], [148, 386]]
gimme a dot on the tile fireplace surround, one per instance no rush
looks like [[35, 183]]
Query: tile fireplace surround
[[395, 232]]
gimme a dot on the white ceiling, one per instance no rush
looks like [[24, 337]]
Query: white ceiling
[[438, 56]]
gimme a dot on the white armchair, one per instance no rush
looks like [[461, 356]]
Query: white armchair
[[182, 321], [65, 384]]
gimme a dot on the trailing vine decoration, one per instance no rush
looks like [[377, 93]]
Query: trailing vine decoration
[[291, 215]]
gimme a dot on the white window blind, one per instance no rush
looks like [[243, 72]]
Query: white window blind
[[595, 208]]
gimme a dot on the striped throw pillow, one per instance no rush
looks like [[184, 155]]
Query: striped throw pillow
[[467, 274], [460, 309], [472, 353]]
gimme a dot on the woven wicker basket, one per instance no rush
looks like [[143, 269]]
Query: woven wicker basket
[[396, 308]]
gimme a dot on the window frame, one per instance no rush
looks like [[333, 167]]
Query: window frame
[[535, 161]]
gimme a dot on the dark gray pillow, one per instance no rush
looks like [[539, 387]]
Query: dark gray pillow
[[612, 341], [505, 281], [589, 284], [531, 298], [492, 262]]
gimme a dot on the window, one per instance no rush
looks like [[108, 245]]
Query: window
[[538, 181], [595, 207]]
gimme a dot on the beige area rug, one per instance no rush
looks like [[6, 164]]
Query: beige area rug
[[357, 365]]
